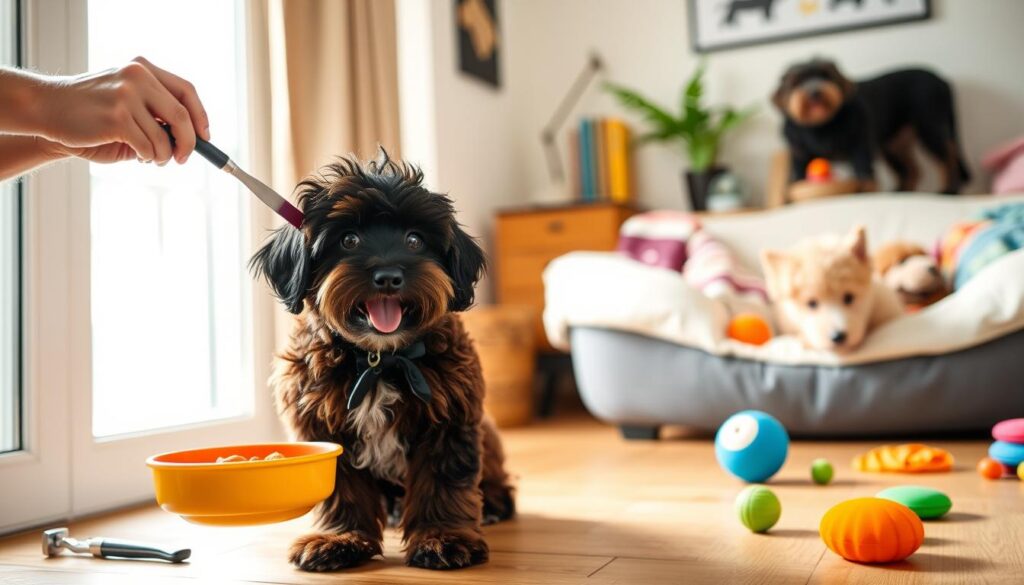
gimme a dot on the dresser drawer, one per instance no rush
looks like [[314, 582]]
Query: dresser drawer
[[560, 231], [527, 240], [524, 270]]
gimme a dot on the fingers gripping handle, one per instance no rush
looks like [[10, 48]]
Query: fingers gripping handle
[[204, 148]]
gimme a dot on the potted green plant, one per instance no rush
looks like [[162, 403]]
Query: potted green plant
[[698, 128]]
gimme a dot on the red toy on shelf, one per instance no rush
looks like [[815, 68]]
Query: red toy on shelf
[[819, 170]]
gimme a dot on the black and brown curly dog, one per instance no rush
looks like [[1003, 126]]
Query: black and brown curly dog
[[830, 116], [375, 277]]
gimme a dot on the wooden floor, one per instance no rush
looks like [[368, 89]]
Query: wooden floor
[[596, 509]]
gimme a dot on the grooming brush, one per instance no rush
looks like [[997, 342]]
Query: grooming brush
[[216, 156]]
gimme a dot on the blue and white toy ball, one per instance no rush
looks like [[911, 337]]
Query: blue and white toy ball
[[752, 445]]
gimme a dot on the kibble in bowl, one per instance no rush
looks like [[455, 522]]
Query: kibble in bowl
[[239, 458]]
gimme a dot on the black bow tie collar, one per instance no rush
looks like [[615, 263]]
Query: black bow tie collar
[[371, 366]]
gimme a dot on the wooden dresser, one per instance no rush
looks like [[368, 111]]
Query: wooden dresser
[[529, 238]]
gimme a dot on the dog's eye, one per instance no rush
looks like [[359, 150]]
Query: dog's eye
[[848, 299], [813, 303], [349, 241], [414, 242]]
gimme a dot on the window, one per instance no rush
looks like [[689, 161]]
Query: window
[[139, 322], [10, 268], [168, 261]]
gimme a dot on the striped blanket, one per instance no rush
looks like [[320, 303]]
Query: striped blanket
[[676, 241], [970, 246]]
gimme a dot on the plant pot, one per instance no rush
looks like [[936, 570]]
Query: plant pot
[[697, 186]]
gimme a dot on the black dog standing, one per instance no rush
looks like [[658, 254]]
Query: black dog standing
[[831, 117]]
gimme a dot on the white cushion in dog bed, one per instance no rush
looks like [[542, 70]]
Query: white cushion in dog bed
[[599, 289]]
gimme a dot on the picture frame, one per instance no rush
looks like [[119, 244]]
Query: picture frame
[[478, 38], [717, 25]]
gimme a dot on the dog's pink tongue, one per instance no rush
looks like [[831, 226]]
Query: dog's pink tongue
[[385, 313]]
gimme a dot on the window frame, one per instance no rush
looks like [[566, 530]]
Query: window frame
[[17, 192], [62, 470]]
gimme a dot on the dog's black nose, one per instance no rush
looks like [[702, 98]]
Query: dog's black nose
[[838, 337], [934, 271], [388, 279]]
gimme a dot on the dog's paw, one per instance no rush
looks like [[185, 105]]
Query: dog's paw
[[330, 552], [447, 551], [499, 503]]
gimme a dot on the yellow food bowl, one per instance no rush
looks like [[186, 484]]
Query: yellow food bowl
[[193, 485]]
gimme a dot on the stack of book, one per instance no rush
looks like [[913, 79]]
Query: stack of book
[[600, 160]]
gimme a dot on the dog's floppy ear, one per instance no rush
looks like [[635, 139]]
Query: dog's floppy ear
[[857, 243], [285, 263], [464, 262], [774, 263], [782, 92]]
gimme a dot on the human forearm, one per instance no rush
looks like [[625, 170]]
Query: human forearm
[[21, 154], [22, 102], [93, 113]]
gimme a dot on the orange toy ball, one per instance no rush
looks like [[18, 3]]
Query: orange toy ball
[[990, 468], [749, 328], [819, 170], [872, 530]]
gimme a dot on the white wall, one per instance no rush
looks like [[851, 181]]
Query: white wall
[[460, 130], [482, 145], [645, 44]]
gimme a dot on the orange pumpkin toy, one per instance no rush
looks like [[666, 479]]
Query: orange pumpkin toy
[[749, 328], [872, 530]]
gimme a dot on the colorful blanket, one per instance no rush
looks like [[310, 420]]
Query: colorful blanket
[[970, 246]]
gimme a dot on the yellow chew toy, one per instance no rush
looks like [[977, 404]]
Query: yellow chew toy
[[908, 458]]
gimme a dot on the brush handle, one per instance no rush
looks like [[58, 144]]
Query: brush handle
[[204, 148], [271, 198], [212, 153]]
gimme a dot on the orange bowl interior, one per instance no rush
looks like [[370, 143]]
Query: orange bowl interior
[[210, 454]]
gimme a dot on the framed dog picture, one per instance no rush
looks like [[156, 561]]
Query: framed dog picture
[[479, 40], [726, 24]]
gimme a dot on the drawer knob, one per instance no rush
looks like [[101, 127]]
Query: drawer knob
[[556, 225]]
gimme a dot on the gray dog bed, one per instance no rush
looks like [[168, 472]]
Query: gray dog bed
[[641, 383]]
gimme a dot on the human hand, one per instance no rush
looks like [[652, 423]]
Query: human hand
[[112, 115]]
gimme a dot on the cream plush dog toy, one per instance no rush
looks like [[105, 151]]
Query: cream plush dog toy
[[910, 271]]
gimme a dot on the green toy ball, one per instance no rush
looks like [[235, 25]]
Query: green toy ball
[[758, 507], [821, 471]]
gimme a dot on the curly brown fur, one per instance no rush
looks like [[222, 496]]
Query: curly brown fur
[[443, 457]]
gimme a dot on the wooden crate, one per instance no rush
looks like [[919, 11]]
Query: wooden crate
[[504, 338]]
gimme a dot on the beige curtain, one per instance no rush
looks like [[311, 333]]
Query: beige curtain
[[334, 82], [325, 75]]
